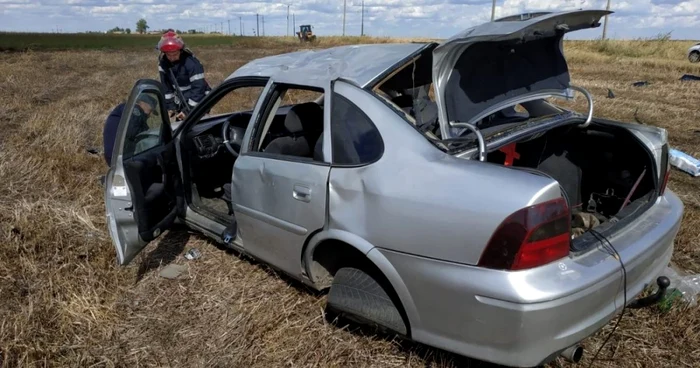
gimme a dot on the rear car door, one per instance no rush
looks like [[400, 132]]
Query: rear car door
[[279, 189], [143, 187]]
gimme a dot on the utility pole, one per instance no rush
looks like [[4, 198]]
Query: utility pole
[[344, 3], [294, 23], [263, 21], [493, 10], [240, 24], [605, 26], [362, 26], [229, 27], [257, 25], [287, 19], [222, 27]]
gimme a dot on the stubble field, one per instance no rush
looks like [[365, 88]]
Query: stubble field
[[64, 302]]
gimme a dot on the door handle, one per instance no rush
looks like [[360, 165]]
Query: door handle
[[301, 193]]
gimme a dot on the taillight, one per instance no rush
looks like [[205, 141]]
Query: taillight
[[666, 166], [531, 237]]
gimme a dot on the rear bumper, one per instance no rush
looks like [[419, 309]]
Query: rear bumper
[[524, 318]]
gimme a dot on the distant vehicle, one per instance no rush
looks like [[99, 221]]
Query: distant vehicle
[[694, 53], [482, 222], [305, 34]]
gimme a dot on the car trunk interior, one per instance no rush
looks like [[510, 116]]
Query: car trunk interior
[[597, 169]]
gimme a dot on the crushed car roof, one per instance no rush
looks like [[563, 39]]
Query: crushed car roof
[[358, 64]]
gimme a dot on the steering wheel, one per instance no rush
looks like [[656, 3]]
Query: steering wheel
[[233, 137]]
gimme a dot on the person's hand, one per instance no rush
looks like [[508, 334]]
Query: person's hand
[[171, 113], [180, 116]]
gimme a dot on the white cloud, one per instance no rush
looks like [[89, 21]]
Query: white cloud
[[403, 18]]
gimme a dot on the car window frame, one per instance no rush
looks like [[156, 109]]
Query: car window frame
[[165, 134], [334, 95], [270, 102], [215, 96]]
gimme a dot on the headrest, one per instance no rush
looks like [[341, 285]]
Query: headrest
[[305, 116]]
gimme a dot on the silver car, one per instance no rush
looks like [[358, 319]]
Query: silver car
[[694, 53], [437, 190]]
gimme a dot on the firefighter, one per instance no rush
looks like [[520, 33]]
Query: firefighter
[[188, 72]]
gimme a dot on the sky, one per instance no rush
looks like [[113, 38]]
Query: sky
[[394, 18]]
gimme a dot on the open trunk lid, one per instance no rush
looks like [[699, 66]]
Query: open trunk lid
[[498, 64]]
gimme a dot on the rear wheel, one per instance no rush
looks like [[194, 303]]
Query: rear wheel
[[694, 57], [356, 295]]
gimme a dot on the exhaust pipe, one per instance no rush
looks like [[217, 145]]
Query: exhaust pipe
[[573, 353]]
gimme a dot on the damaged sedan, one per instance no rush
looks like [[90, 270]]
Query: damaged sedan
[[436, 191]]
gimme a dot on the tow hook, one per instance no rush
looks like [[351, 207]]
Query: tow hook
[[663, 282]]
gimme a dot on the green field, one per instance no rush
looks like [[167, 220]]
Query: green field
[[96, 41], [65, 41]]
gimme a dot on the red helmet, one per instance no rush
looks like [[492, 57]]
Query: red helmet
[[170, 41]]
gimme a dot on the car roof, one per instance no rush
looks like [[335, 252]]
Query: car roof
[[358, 64]]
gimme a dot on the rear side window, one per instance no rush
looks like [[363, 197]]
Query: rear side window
[[356, 141]]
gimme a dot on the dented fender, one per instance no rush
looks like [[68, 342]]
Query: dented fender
[[374, 255]]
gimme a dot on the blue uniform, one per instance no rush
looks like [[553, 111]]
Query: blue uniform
[[137, 124], [110, 131], [189, 74]]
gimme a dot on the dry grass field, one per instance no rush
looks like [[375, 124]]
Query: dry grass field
[[64, 302]]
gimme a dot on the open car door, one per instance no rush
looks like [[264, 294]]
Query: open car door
[[142, 188]]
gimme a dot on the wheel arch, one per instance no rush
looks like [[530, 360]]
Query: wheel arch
[[371, 254]]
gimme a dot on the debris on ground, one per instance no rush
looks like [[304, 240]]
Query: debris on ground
[[172, 271], [690, 77], [684, 162], [193, 254], [683, 288], [610, 93], [640, 84]]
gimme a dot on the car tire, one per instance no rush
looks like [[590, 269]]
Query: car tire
[[356, 295], [694, 57]]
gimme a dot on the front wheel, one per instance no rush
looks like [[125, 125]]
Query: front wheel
[[360, 297], [694, 57]]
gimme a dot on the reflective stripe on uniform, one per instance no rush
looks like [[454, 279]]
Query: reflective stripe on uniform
[[169, 96], [185, 88], [192, 103], [197, 77], [160, 69]]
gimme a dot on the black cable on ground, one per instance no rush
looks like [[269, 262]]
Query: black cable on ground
[[612, 251]]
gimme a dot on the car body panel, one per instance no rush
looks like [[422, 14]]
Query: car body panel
[[415, 191], [317, 67], [274, 221], [520, 318], [546, 25]]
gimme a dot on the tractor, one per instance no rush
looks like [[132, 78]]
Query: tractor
[[305, 34]]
